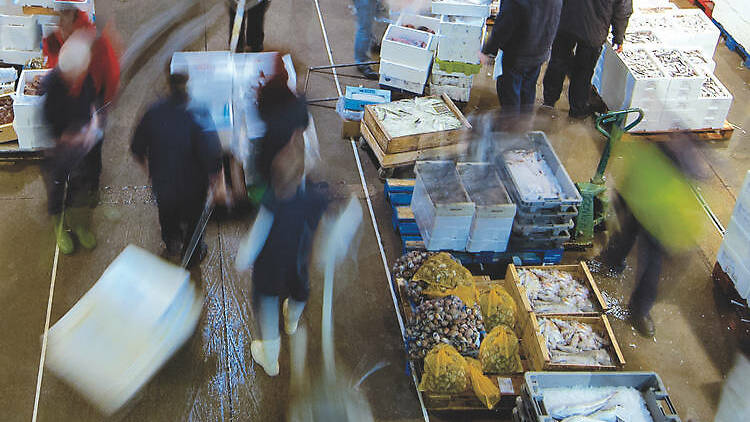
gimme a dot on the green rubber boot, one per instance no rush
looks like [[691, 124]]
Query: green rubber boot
[[80, 221], [64, 241]]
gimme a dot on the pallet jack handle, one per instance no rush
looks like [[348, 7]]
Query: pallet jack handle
[[617, 119]]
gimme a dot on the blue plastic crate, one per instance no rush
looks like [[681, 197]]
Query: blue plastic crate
[[351, 103]]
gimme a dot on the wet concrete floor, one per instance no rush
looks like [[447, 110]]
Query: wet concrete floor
[[213, 376]]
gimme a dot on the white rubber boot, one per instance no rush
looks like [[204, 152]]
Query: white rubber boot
[[292, 312], [266, 354]]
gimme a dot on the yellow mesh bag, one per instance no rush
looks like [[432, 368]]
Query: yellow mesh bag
[[499, 352], [444, 371], [498, 308], [484, 388], [444, 277]]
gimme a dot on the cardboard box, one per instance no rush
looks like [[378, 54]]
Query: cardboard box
[[353, 100], [350, 129]]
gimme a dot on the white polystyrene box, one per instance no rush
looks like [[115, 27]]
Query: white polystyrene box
[[457, 79], [476, 8], [120, 333], [622, 88], [738, 238], [49, 24], [18, 57], [695, 30], [396, 47], [417, 21], [687, 87], [459, 50], [463, 27], [455, 93], [19, 33], [404, 72], [734, 265], [42, 3], [397, 83], [714, 109], [33, 137], [734, 22], [28, 114], [699, 60]]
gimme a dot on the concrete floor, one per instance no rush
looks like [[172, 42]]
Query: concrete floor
[[213, 377]]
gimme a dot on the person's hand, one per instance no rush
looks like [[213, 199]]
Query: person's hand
[[617, 47], [483, 58]]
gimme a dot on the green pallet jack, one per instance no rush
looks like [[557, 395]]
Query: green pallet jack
[[592, 211]]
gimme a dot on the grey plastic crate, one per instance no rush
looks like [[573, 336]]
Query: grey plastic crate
[[537, 141], [648, 383], [542, 230], [546, 216]]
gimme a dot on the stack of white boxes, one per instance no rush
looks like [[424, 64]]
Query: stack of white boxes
[[666, 70], [20, 38], [28, 110], [462, 26], [406, 53], [460, 41], [734, 16], [734, 253]]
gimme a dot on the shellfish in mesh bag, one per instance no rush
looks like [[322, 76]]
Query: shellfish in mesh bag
[[444, 320], [499, 352], [443, 276], [498, 308], [444, 371], [403, 270]]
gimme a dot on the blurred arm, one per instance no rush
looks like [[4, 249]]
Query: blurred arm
[[253, 242]]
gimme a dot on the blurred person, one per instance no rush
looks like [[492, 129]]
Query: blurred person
[[251, 31], [75, 159], [183, 160], [584, 25], [656, 206], [524, 31], [104, 66], [363, 39], [279, 243]]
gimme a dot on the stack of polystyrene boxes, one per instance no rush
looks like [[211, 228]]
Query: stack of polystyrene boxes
[[734, 16], [28, 111], [734, 253], [406, 57], [20, 39], [462, 26], [460, 41], [682, 94]]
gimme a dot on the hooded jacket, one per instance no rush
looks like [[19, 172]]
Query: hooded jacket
[[590, 20], [524, 30]]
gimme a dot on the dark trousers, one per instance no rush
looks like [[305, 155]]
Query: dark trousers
[[251, 32], [570, 56], [178, 218], [516, 88], [650, 256], [81, 173]]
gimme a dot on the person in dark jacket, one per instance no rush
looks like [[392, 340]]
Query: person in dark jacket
[[184, 160], [584, 25], [251, 31], [73, 165], [279, 244], [524, 31]]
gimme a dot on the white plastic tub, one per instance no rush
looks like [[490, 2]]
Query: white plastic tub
[[407, 47]]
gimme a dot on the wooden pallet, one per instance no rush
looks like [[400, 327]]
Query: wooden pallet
[[10, 151], [722, 134]]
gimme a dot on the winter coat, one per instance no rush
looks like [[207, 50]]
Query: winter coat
[[590, 20], [524, 31]]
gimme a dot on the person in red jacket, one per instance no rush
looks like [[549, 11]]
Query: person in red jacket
[[104, 67]]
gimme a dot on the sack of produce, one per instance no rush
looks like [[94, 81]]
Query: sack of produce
[[443, 276], [444, 371], [484, 388], [498, 308], [499, 352], [404, 269]]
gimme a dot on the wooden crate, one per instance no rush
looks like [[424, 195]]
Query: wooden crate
[[579, 271], [510, 384], [536, 346], [387, 160], [391, 145]]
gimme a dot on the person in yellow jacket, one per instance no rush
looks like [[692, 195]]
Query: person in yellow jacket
[[657, 205]]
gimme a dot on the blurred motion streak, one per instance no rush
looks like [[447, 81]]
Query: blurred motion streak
[[136, 316]]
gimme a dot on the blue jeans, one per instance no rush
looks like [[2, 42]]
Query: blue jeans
[[516, 88], [363, 35]]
